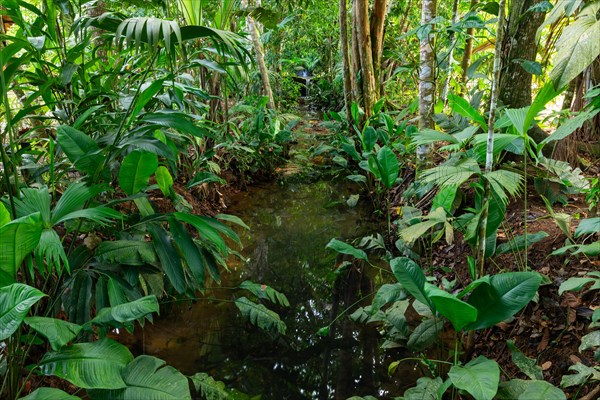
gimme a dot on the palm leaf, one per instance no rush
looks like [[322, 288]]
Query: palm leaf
[[503, 182], [73, 199], [265, 292], [451, 174], [210, 389]]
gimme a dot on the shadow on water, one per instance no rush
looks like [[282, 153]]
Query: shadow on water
[[291, 222]]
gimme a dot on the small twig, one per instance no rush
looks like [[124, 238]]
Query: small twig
[[592, 395]]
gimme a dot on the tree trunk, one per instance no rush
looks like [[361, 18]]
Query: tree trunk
[[426, 81], [348, 72], [466, 59], [366, 55], [260, 57], [377, 28], [355, 59], [452, 40], [519, 44]]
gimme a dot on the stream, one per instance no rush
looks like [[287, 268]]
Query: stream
[[291, 222]]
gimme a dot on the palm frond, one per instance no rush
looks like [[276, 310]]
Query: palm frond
[[51, 249], [100, 215], [447, 175], [34, 200], [73, 199], [503, 182]]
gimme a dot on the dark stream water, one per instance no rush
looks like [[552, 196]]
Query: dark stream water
[[291, 223]]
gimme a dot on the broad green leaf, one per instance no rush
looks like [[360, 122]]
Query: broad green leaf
[[17, 239], [81, 149], [4, 215], [387, 163], [527, 365], [568, 127], [582, 374], [428, 136], [144, 97], [148, 377], [260, 316], [575, 284], [426, 389], [462, 107], [210, 389], [169, 259], [15, 302], [411, 233], [445, 198], [164, 180], [232, 218], [479, 377], [520, 389], [588, 226], [188, 250], [412, 278], [57, 331], [265, 292], [578, 46], [387, 293], [177, 121], [95, 365], [504, 296], [457, 311], [136, 169], [127, 312], [518, 242], [425, 334], [345, 248], [128, 252], [547, 93], [48, 393], [204, 177], [369, 138], [205, 229], [590, 341], [451, 175]]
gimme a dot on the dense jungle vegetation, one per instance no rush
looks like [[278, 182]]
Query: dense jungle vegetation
[[469, 129]]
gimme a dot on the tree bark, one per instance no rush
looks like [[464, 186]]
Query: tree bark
[[366, 55], [426, 81], [355, 59], [348, 72], [519, 44], [377, 28], [260, 57]]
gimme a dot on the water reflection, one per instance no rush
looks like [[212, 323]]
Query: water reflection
[[291, 224]]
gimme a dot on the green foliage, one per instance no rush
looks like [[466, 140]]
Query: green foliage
[[17, 239], [46, 393], [479, 377], [15, 302], [96, 365], [56, 331], [210, 389], [260, 316], [136, 170], [265, 292], [345, 248], [147, 377]]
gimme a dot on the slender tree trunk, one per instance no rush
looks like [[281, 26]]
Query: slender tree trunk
[[426, 81], [377, 28], [466, 59], [366, 55], [348, 72], [452, 40], [260, 57], [355, 58]]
